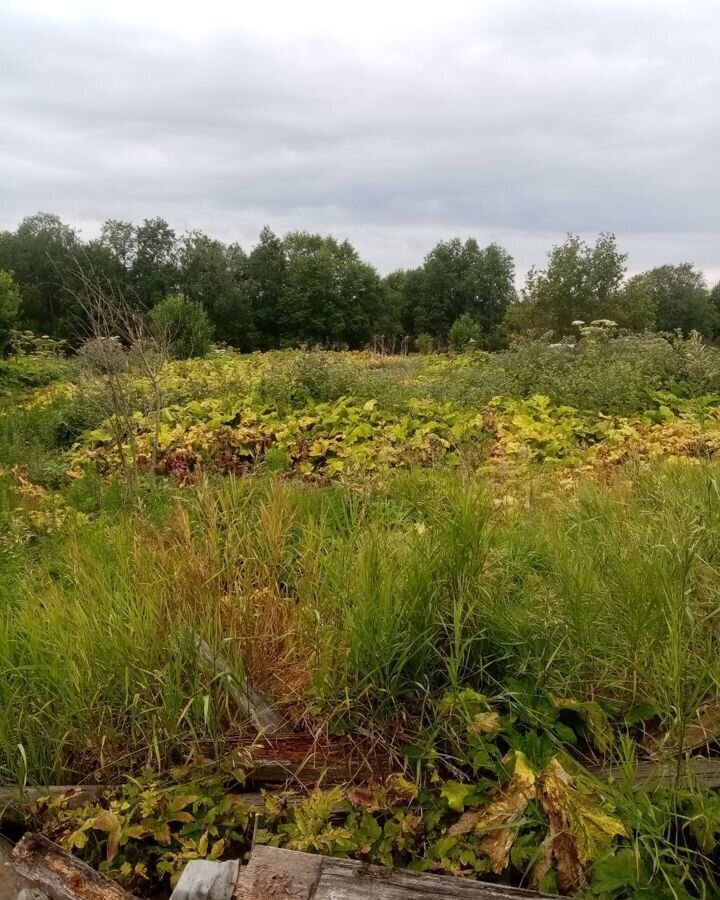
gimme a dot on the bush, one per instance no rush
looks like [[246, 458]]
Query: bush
[[597, 372], [306, 376], [185, 324], [465, 332]]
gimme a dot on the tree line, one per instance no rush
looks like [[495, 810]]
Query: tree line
[[309, 289]]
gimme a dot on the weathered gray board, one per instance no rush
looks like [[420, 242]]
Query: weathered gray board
[[60, 875], [203, 879], [648, 774], [12, 885], [250, 701], [274, 874]]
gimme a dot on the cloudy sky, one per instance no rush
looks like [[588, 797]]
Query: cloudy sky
[[392, 123]]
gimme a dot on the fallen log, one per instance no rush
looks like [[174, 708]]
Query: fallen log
[[60, 875], [291, 875]]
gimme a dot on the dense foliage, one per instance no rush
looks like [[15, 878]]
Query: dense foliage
[[185, 325], [497, 570], [306, 289]]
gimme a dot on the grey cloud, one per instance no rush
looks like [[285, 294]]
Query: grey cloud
[[531, 120]]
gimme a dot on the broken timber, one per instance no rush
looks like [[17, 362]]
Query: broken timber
[[301, 758], [251, 702], [700, 770], [60, 875], [274, 874]]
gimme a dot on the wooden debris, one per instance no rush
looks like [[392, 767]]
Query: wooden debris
[[12, 885], [60, 875], [697, 769], [303, 760], [275, 874], [699, 731], [251, 702], [203, 879]]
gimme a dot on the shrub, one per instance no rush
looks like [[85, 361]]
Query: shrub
[[465, 332], [185, 324]]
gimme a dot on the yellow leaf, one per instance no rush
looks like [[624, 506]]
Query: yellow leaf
[[162, 833], [106, 820], [497, 822], [217, 849], [76, 841], [485, 723]]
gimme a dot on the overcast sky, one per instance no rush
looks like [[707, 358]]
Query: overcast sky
[[392, 123]]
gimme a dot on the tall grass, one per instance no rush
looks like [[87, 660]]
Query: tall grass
[[365, 600]]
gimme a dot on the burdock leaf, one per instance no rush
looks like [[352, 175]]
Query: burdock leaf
[[456, 793], [498, 821], [581, 831]]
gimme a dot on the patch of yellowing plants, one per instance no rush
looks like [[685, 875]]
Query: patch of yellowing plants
[[349, 437]]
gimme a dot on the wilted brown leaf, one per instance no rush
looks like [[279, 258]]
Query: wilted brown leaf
[[362, 797], [466, 823], [580, 830]]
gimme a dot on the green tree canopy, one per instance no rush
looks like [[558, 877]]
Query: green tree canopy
[[581, 282], [464, 332], [265, 273], [42, 255], [154, 270], [214, 275], [679, 297], [715, 301], [329, 296], [9, 308], [458, 278]]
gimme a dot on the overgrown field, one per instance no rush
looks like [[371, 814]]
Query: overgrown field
[[498, 570]]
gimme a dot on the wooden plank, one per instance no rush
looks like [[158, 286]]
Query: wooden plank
[[698, 769], [274, 874], [302, 759], [251, 702], [203, 879], [12, 885], [296, 771], [60, 875]]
